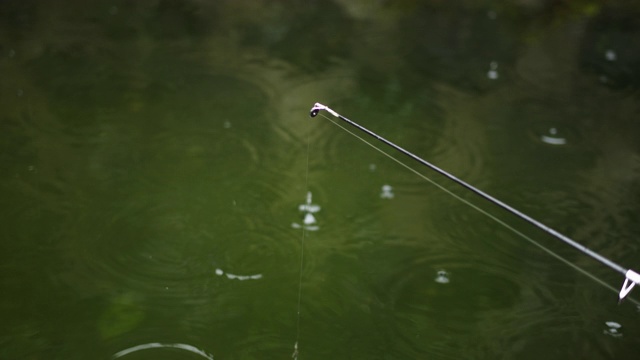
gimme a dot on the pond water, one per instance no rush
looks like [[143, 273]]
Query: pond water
[[165, 193]]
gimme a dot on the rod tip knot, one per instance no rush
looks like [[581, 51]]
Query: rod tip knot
[[317, 107]]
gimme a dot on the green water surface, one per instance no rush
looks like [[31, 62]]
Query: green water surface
[[154, 156]]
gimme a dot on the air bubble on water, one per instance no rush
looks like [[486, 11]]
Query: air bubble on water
[[491, 14], [442, 277], [309, 219], [613, 329], [372, 167], [493, 71], [230, 276], [387, 192], [226, 124], [610, 55], [553, 138], [244, 277], [113, 10], [309, 206]]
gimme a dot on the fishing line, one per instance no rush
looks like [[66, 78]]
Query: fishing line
[[304, 234], [631, 277], [475, 207]]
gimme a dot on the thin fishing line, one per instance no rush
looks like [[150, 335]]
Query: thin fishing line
[[631, 277], [303, 236], [480, 210]]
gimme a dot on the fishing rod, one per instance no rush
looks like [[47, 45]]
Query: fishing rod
[[631, 277]]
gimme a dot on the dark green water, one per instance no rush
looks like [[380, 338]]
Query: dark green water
[[153, 160]]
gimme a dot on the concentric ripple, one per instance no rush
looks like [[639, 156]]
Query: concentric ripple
[[168, 348]]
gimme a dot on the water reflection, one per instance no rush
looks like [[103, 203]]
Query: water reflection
[[610, 55], [442, 277], [231, 276], [309, 221], [492, 74], [387, 192], [553, 138], [185, 347], [613, 329]]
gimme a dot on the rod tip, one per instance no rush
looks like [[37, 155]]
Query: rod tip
[[315, 110]]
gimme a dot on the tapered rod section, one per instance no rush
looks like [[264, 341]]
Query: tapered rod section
[[631, 277]]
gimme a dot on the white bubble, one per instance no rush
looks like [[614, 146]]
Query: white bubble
[[309, 219], [610, 55], [613, 329], [492, 74], [442, 277], [553, 138], [240, 277], [309, 208], [613, 324], [387, 192]]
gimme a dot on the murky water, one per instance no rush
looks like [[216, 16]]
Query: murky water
[[160, 168]]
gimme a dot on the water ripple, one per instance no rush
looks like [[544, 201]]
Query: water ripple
[[554, 134], [149, 346]]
